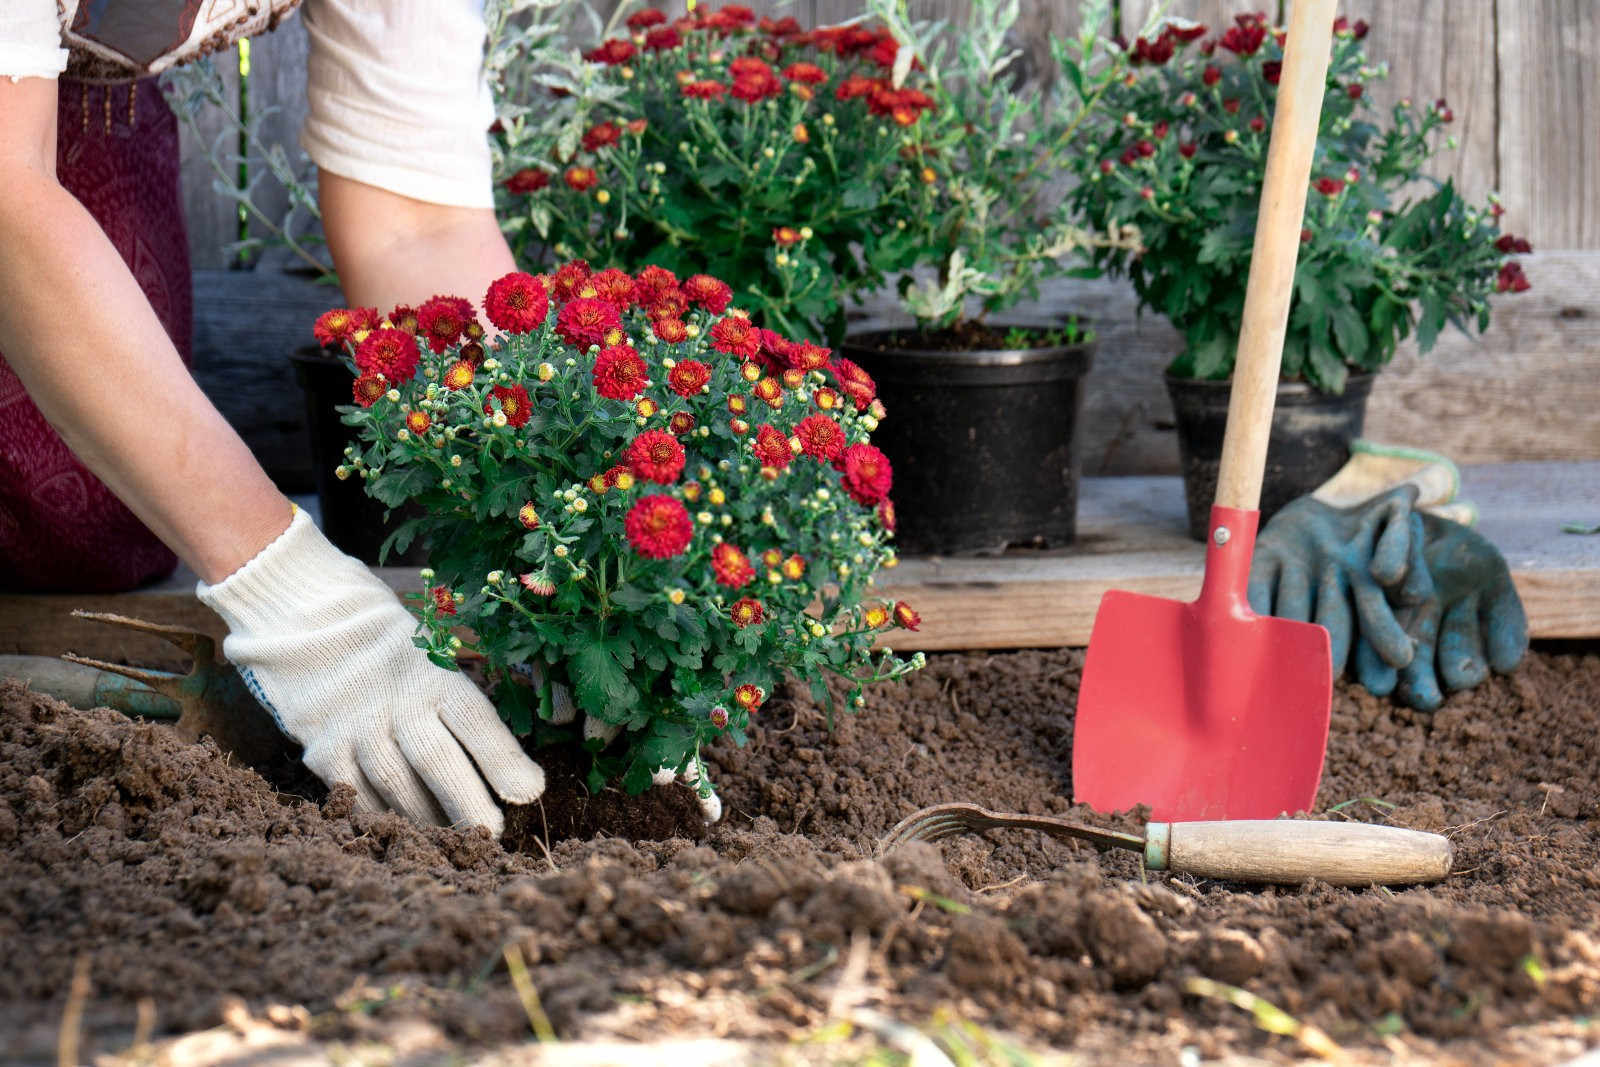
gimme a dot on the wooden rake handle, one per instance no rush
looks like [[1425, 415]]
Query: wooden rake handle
[[1277, 244], [1288, 851]]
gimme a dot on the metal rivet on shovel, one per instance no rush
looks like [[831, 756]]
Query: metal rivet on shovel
[[1203, 710]]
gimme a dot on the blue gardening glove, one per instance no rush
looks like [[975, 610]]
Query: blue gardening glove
[[1466, 620], [1340, 568]]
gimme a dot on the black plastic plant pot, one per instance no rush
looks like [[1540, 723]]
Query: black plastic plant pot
[[351, 519], [1310, 440], [983, 443]]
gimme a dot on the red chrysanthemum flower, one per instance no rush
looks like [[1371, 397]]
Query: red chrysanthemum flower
[[708, 292], [854, 382], [773, 355], [788, 26], [749, 696], [458, 375], [568, 278], [587, 321], [820, 437], [681, 423], [867, 474], [528, 516], [1187, 149], [513, 401], [854, 86], [368, 389], [904, 617], [805, 73], [643, 20], [771, 447], [612, 53], [1211, 75], [517, 303], [770, 392], [658, 527], [689, 377], [826, 399], [731, 566], [418, 422], [784, 236], [601, 135], [746, 611], [663, 39], [703, 89], [442, 319], [736, 335], [538, 583], [794, 568], [1328, 186], [656, 284], [1231, 105], [886, 515], [1154, 52], [527, 180], [339, 325], [738, 404], [391, 353], [403, 317], [1511, 279], [656, 456], [365, 320], [670, 330], [805, 356], [1245, 36], [581, 178], [615, 286], [771, 558], [754, 88], [444, 601], [619, 373]]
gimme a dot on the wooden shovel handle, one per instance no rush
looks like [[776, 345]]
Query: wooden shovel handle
[[1266, 298], [1288, 851]]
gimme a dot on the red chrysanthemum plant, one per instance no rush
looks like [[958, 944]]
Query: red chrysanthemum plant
[[631, 487], [1178, 149], [745, 148]]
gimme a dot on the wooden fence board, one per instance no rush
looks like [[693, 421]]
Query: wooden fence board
[[212, 221], [1549, 57], [278, 81]]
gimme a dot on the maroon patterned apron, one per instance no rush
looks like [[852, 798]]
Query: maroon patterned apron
[[60, 527]]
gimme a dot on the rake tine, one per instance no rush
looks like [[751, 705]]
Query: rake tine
[[161, 681], [196, 644]]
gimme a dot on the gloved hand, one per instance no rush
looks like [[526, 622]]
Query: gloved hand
[[1468, 620], [327, 650], [565, 711]]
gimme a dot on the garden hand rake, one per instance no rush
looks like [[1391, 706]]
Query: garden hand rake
[[1278, 851]]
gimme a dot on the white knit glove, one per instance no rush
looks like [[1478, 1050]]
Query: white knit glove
[[326, 647]]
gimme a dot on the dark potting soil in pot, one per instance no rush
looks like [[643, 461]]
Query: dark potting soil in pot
[[183, 878]]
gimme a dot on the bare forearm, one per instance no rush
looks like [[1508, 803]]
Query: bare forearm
[[390, 249], [78, 331]]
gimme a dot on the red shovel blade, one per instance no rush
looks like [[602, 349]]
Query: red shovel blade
[[1203, 710]]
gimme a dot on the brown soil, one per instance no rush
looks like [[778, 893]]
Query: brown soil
[[182, 879]]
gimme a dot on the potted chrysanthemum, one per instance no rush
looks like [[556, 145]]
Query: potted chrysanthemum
[[621, 495], [750, 149], [990, 457], [1178, 149]]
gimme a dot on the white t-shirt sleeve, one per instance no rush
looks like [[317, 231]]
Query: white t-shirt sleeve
[[30, 40], [397, 96]]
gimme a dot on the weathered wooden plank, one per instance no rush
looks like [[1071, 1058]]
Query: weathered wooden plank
[[1132, 536], [212, 221], [1435, 48], [277, 92], [1549, 63]]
